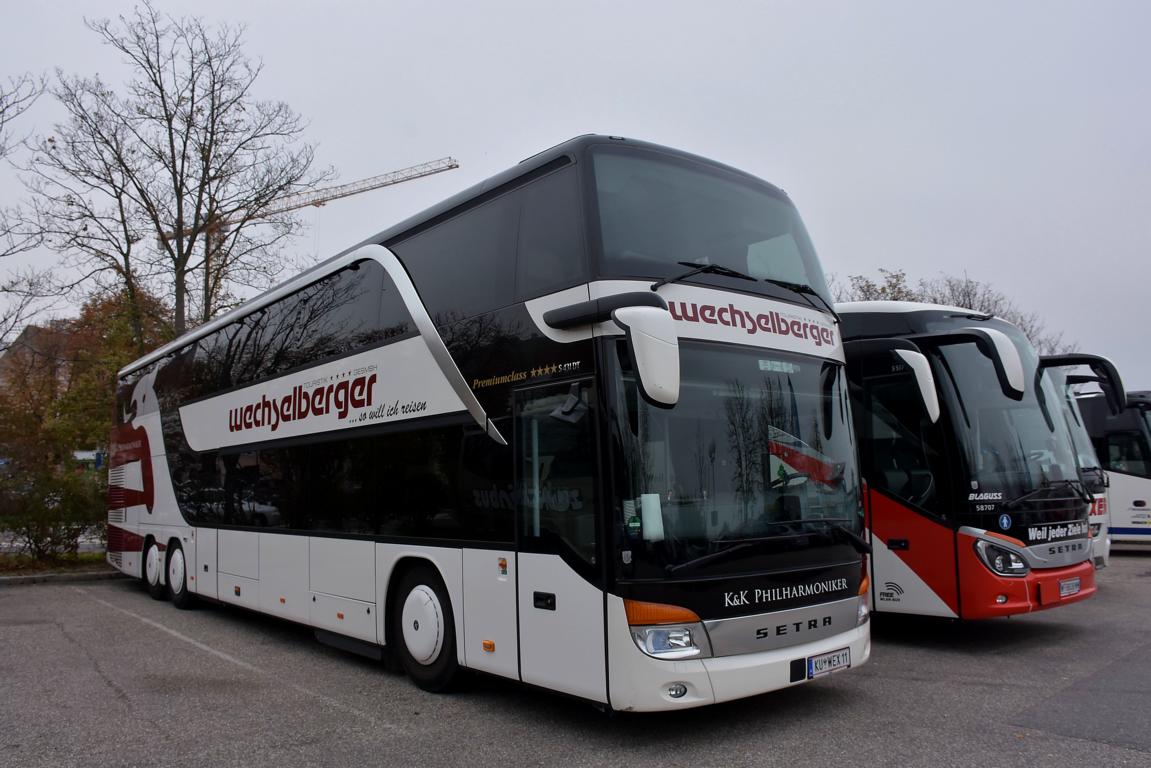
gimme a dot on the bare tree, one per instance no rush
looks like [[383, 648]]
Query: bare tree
[[955, 291], [22, 292], [168, 183]]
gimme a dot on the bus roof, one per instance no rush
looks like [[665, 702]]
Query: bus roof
[[570, 149]]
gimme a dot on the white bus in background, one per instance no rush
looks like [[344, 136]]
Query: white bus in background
[[584, 425], [1059, 368], [1123, 442]]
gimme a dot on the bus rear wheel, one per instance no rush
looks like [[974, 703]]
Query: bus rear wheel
[[424, 630], [153, 564], [178, 577]]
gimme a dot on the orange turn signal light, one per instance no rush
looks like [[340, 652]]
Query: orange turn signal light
[[489, 646], [340, 615], [641, 613]]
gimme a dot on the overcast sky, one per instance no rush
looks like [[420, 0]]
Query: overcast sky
[[1010, 141]]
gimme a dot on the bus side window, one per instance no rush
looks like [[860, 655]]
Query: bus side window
[[550, 253], [557, 470], [1127, 453]]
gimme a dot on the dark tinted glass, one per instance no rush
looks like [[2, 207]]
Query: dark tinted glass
[[656, 211], [466, 265], [1122, 441], [351, 310], [448, 483], [551, 251]]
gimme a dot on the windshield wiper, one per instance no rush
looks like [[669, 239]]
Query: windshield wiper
[[1074, 485], [711, 269], [805, 291], [834, 524]]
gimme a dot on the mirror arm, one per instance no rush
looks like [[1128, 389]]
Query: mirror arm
[[1107, 375], [599, 310]]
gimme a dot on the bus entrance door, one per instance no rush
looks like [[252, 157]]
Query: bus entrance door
[[905, 464], [560, 606]]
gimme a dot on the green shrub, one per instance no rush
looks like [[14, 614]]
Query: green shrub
[[47, 509]]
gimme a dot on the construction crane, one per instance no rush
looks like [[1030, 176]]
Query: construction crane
[[319, 197], [322, 196]]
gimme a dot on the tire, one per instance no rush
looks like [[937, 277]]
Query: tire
[[424, 628], [178, 578], [151, 569]]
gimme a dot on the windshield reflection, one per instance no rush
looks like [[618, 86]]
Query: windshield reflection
[[758, 445]]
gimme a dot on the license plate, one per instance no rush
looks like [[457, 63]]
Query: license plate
[[826, 663], [1069, 587]]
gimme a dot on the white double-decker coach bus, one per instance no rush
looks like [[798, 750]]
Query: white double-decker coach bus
[[584, 425]]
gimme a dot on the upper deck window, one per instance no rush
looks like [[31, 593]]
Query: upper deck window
[[658, 212]]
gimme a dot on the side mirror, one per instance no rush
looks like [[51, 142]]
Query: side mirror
[[1106, 375], [995, 344], [654, 347], [906, 353], [1008, 363], [651, 337], [919, 365]]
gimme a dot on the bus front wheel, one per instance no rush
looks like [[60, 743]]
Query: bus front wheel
[[424, 629]]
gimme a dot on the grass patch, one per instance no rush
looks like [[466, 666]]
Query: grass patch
[[19, 565]]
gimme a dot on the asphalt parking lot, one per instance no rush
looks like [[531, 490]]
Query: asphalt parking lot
[[101, 674]]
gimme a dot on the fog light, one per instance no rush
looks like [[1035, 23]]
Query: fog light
[[1001, 599], [677, 690]]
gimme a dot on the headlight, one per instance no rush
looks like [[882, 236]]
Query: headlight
[[863, 614], [1001, 561], [672, 642]]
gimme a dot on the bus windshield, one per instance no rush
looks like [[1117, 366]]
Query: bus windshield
[[1085, 458], [1010, 446], [658, 213], [758, 451]]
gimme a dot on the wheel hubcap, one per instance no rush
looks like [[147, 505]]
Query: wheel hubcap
[[422, 622], [152, 565], [176, 571]]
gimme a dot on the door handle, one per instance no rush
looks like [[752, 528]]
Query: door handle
[[545, 601], [903, 544]]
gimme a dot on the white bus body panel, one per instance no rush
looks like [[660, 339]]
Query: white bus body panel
[[561, 649], [343, 567], [284, 576], [238, 580], [205, 582], [239, 554], [448, 561], [343, 615], [490, 597], [239, 590], [1130, 524], [640, 683]]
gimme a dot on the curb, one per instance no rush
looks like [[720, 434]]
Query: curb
[[58, 578]]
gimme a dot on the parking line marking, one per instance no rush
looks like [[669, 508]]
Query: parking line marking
[[240, 663]]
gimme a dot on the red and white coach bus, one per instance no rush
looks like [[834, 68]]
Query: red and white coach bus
[[975, 507], [584, 425]]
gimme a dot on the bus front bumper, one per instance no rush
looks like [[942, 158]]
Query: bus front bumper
[[640, 683]]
